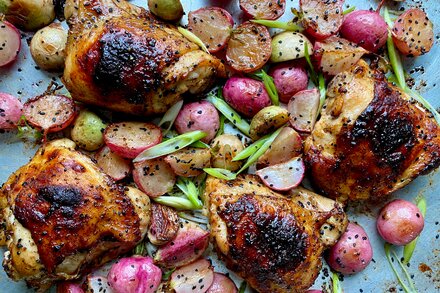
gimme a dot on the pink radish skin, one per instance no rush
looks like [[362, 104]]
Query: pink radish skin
[[213, 25], [51, 113], [222, 284], [272, 9], [10, 111], [199, 274], [129, 139], [69, 287], [322, 19], [284, 176], [113, 165], [352, 253], [400, 222], [303, 108], [247, 96], [136, 274], [154, 177], [10, 42], [198, 116], [97, 284], [366, 28], [289, 78], [190, 243]]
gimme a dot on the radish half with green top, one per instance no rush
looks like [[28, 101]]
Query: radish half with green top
[[322, 19], [190, 243], [129, 139], [195, 277], [303, 109], [10, 43], [283, 176]]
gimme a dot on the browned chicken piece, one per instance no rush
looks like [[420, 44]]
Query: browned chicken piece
[[272, 241], [372, 138], [121, 58], [64, 217]]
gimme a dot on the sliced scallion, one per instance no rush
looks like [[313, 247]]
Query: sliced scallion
[[221, 128], [247, 152], [312, 71], [170, 146], [167, 274], [322, 91], [336, 284], [170, 116], [193, 218], [176, 202], [347, 11], [265, 146], [190, 190], [387, 248], [269, 85], [408, 249], [199, 144], [140, 249], [229, 113], [242, 288], [287, 26], [193, 38], [221, 173]]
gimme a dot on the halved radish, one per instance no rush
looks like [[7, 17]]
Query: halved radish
[[303, 109], [222, 284], [335, 55], [413, 33], [113, 165], [283, 176], [213, 25], [129, 139], [195, 277], [190, 243], [154, 177], [10, 43], [322, 18], [258, 9], [51, 113], [249, 47], [10, 111], [287, 145], [289, 46], [95, 284], [189, 162]]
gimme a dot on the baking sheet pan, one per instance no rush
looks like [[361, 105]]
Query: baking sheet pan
[[24, 80]]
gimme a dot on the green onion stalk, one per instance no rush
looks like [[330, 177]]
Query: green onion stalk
[[336, 284], [397, 66], [193, 38], [170, 116], [269, 85], [287, 26], [388, 253], [408, 249]]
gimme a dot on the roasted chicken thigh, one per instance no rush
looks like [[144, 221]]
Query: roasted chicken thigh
[[121, 58], [271, 240], [63, 216], [372, 138]]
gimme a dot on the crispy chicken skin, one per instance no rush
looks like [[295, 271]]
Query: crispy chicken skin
[[64, 216], [371, 140], [271, 240], [121, 58]]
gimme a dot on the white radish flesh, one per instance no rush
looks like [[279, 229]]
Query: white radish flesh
[[154, 177], [213, 25], [195, 277], [97, 284], [190, 243], [284, 176], [336, 55], [272, 9], [51, 113], [129, 139], [10, 111], [289, 46], [10, 43], [322, 19], [303, 109], [113, 165]]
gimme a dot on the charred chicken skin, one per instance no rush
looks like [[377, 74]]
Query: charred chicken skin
[[273, 241], [63, 216], [372, 138], [121, 58]]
